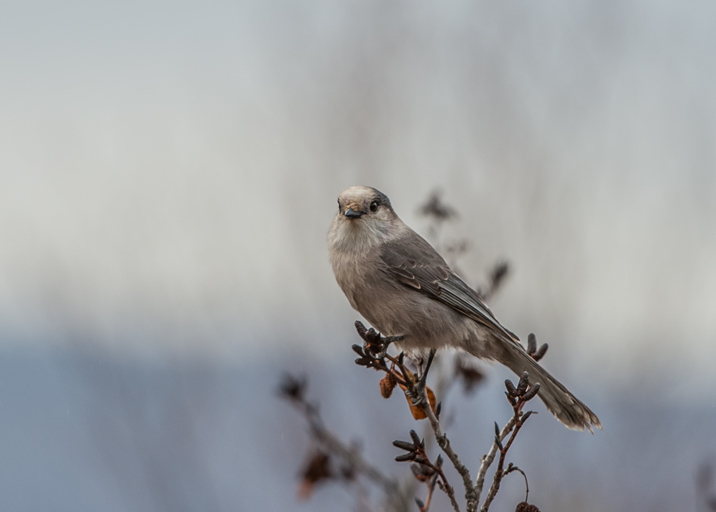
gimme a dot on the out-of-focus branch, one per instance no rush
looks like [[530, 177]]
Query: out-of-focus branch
[[293, 389], [496, 279]]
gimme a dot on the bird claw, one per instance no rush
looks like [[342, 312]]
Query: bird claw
[[374, 342], [423, 374], [385, 343]]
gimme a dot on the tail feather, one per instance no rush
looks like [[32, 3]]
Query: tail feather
[[559, 401]]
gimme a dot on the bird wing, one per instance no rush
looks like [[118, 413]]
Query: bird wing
[[413, 262]]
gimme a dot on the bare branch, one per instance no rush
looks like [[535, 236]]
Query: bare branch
[[517, 396], [444, 444], [490, 457], [293, 390]]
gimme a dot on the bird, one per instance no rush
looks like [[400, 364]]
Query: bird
[[398, 282]]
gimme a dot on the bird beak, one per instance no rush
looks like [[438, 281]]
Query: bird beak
[[353, 214]]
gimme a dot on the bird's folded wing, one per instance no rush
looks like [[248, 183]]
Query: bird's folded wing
[[413, 262]]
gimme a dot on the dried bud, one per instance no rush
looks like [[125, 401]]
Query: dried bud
[[292, 388], [316, 469], [404, 445], [387, 385], [364, 361], [436, 209], [541, 352], [470, 376], [421, 472], [525, 416], [415, 437], [439, 461], [497, 430], [531, 344], [498, 274], [511, 391], [526, 507], [523, 383], [419, 503], [360, 328], [438, 409], [532, 392], [404, 457]]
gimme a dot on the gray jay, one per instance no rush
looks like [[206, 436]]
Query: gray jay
[[403, 287]]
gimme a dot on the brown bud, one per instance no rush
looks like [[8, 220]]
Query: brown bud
[[531, 344], [317, 469], [387, 385], [541, 352], [523, 383], [526, 507], [406, 456], [511, 391], [532, 392]]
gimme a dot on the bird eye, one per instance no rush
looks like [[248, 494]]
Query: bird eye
[[374, 206]]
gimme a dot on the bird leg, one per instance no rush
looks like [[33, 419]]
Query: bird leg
[[423, 374]]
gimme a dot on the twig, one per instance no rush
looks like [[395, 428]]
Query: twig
[[416, 393], [419, 398], [512, 468], [490, 457], [518, 397], [425, 507], [373, 354], [444, 444], [499, 472]]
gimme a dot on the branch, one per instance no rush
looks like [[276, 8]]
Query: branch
[[490, 457], [424, 470], [293, 390], [518, 397], [374, 354], [444, 443]]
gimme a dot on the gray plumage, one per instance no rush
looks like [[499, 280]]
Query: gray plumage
[[402, 286]]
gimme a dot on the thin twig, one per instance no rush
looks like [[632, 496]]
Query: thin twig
[[499, 472], [429, 497], [444, 444], [512, 468], [518, 397], [490, 457], [419, 397]]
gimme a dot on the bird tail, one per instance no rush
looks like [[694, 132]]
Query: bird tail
[[559, 401]]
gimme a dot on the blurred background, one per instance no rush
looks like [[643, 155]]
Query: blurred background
[[168, 172]]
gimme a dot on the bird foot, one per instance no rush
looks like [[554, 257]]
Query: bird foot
[[374, 342]]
